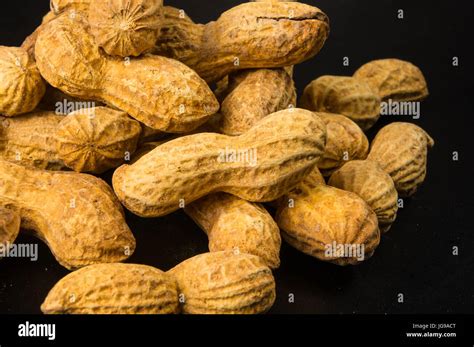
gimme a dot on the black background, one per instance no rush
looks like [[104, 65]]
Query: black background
[[415, 257]]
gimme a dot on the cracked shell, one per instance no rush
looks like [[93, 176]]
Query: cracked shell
[[113, 289], [225, 283], [367, 179], [401, 149]]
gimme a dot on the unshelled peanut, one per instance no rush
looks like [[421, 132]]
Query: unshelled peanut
[[224, 283], [114, 289], [260, 165], [76, 215], [96, 139], [160, 92], [233, 224]]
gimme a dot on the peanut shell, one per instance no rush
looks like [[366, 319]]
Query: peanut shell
[[159, 92], [29, 140], [21, 85], [234, 224], [401, 149], [347, 96], [113, 289], [225, 283], [367, 179], [267, 161], [9, 227], [76, 215], [96, 139], [323, 219], [394, 79]]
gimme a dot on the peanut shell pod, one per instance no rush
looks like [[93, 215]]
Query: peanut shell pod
[[225, 283], [394, 79], [113, 289], [367, 179], [76, 215], [260, 165], [9, 228], [250, 35], [233, 224], [21, 85], [126, 28], [159, 92], [59, 6], [401, 149], [329, 224], [29, 140], [96, 139], [347, 96], [258, 94], [345, 141]]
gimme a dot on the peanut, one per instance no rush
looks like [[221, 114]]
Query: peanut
[[394, 79], [21, 85], [76, 215], [9, 227], [258, 94], [367, 179], [282, 148], [30, 140], [225, 283], [126, 28], [96, 139], [160, 92], [251, 35], [59, 6], [233, 224], [347, 96], [401, 149], [345, 142], [113, 289], [325, 220]]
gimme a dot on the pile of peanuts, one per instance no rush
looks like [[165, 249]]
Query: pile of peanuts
[[200, 117]]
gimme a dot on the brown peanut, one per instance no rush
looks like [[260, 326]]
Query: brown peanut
[[21, 85], [9, 228], [113, 289], [394, 79], [76, 215], [30, 140], [367, 179], [401, 149], [160, 92], [126, 28], [347, 96], [233, 224], [96, 139], [251, 35], [225, 283], [272, 158]]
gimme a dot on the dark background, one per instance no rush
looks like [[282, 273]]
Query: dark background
[[415, 256]]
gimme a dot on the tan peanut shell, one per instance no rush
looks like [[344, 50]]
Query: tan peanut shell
[[401, 149], [367, 179], [345, 141], [113, 289], [9, 227], [323, 219], [126, 28], [76, 215], [259, 93], [59, 6], [96, 139], [233, 224], [394, 79], [225, 283], [21, 85], [250, 35], [30, 140], [159, 92], [260, 165], [347, 96]]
